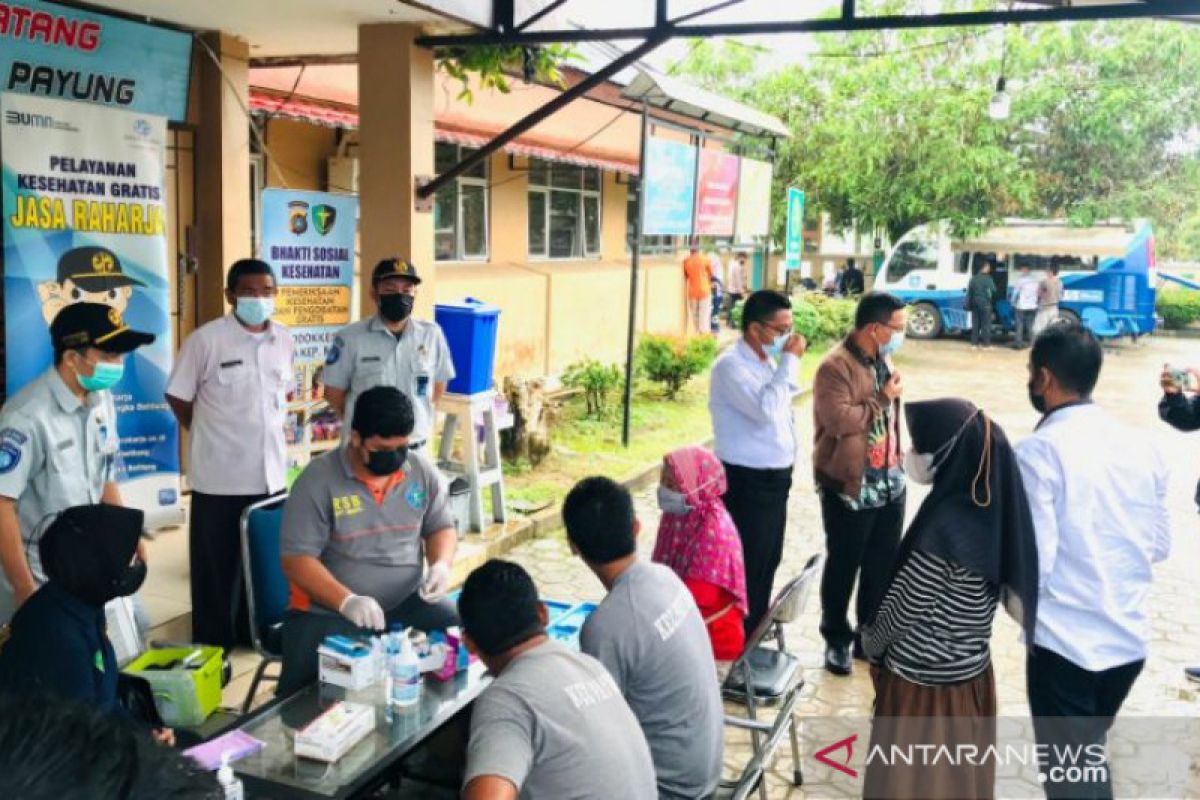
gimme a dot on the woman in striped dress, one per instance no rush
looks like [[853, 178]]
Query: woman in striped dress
[[970, 547]]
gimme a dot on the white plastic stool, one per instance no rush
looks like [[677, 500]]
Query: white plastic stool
[[480, 473]]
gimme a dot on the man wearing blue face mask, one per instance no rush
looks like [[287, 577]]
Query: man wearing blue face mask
[[229, 390], [858, 470], [750, 401], [58, 439]]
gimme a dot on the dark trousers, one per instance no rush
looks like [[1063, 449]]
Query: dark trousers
[[1024, 320], [1072, 708], [858, 545], [757, 501], [219, 612], [981, 323], [303, 632]]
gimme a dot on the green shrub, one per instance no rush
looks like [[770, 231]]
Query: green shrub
[[1178, 307], [672, 361], [817, 318], [597, 382]]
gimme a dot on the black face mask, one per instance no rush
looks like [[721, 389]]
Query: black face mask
[[395, 307], [131, 580], [386, 462], [1036, 400]]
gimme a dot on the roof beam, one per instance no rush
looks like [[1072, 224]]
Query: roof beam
[[1126, 10], [427, 190], [317, 59]]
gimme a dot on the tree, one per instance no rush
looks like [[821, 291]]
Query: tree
[[890, 129]]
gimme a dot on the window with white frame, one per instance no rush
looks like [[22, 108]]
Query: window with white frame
[[460, 209], [564, 210], [651, 245]]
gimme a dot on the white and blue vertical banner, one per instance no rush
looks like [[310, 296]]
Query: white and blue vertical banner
[[79, 175], [670, 191]]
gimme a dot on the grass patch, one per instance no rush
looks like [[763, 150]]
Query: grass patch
[[586, 445]]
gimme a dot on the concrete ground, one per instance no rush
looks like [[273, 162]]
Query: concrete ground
[[993, 379]]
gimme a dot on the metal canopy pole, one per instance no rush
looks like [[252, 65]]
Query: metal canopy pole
[[1126, 10], [639, 226]]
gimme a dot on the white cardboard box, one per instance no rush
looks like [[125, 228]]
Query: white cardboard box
[[348, 671], [331, 735]]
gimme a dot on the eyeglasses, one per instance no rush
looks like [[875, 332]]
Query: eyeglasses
[[777, 330]]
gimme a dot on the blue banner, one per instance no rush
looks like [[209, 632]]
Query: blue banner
[[80, 175], [51, 50], [794, 243], [670, 191], [308, 238]]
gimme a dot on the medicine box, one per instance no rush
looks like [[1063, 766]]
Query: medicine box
[[331, 735], [349, 663]]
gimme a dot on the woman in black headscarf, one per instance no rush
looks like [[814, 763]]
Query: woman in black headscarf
[[59, 642], [970, 547]]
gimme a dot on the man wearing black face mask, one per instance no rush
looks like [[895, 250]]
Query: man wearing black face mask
[[354, 528], [59, 642], [390, 349]]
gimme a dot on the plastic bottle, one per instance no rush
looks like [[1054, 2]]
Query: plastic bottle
[[404, 672], [230, 785]]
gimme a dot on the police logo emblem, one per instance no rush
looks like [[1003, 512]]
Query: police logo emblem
[[298, 217], [103, 263]]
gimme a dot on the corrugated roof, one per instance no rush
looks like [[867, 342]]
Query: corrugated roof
[[672, 94]]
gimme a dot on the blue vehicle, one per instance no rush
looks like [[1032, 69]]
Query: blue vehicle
[[1108, 273]]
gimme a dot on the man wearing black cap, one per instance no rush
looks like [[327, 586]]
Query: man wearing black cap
[[87, 275], [229, 391], [390, 349], [58, 439]]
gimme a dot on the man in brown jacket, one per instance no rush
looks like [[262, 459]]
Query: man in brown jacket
[[858, 470]]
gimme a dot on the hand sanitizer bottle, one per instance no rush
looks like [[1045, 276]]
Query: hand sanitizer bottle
[[230, 785]]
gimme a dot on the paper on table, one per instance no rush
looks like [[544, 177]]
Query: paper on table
[[235, 744]]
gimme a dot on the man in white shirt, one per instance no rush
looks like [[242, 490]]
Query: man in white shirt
[[750, 401], [1025, 306], [229, 390], [1097, 491], [735, 286]]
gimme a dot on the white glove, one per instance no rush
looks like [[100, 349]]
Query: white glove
[[363, 611], [436, 583]]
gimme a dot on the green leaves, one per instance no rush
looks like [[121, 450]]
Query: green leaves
[[494, 64]]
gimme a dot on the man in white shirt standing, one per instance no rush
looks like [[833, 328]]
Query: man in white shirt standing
[[1097, 491], [229, 390], [750, 401], [1025, 306]]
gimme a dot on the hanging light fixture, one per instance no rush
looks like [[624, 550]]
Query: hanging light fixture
[[999, 107]]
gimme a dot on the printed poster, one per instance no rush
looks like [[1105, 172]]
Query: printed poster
[[753, 200], [308, 239], [670, 188], [83, 175], [794, 238], [716, 193]]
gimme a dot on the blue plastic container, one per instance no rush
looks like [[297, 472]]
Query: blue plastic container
[[470, 327]]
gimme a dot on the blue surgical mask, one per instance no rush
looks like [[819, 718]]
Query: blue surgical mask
[[672, 502], [893, 344], [104, 376], [775, 348], [254, 311]]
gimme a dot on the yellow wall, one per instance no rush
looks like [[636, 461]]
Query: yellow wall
[[508, 206], [614, 212], [297, 152], [521, 294]]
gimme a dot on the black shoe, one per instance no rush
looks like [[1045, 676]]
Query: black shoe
[[837, 660], [859, 653]]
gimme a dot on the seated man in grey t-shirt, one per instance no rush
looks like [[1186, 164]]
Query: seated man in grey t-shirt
[[552, 724], [649, 633]]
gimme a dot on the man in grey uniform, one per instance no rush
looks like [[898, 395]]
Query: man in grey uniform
[[354, 528], [391, 349], [58, 439], [552, 724], [651, 637]]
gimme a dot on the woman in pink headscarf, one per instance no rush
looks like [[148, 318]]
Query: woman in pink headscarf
[[698, 540]]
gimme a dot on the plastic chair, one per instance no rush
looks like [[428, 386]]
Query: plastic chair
[[1097, 321], [266, 586], [765, 676]]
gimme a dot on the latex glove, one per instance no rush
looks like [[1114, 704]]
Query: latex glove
[[363, 611], [436, 583]]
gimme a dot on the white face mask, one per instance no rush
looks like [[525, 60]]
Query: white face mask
[[919, 467], [672, 502]]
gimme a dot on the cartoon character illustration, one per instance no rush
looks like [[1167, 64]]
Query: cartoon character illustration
[[87, 275]]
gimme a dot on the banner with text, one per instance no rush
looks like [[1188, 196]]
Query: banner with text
[[716, 193], [82, 175], [754, 200], [308, 239], [794, 237], [53, 51], [670, 188]]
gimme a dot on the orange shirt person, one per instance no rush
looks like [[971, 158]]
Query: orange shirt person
[[697, 273]]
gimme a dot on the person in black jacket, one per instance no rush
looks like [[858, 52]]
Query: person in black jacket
[[1180, 409], [59, 643], [851, 282]]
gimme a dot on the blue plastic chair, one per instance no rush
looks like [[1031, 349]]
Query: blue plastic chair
[[1097, 321], [267, 591]]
